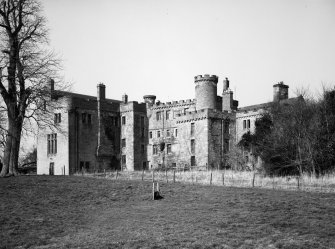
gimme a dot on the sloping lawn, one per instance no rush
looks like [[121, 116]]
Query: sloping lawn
[[79, 212]]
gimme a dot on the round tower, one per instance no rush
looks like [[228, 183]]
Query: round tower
[[205, 91]]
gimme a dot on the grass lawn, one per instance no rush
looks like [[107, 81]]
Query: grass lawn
[[79, 212]]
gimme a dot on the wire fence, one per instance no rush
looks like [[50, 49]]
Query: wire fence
[[228, 178]]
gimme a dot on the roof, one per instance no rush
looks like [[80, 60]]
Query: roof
[[268, 104], [82, 96]]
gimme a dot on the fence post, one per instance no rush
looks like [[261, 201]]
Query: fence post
[[223, 178], [153, 190], [142, 174], [253, 180], [174, 176], [210, 182], [153, 176]]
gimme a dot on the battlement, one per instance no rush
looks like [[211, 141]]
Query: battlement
[[206, 77], [161, 105]]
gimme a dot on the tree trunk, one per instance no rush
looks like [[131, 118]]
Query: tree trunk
[[7, 152]]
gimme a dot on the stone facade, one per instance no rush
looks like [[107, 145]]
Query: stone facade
[[96, 133]]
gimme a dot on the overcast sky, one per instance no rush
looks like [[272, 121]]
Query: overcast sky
[[156, 47]]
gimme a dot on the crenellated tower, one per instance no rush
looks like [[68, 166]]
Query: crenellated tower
[[205, 91]]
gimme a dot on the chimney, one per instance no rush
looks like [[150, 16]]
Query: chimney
[[101, 91], [125, 98], [149, 100], [280, 91], [225, 84]]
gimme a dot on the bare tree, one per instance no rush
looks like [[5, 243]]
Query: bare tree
[[26, 65]]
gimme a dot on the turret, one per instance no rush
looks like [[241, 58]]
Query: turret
[[125, 98], [205, 91], [280, 91]]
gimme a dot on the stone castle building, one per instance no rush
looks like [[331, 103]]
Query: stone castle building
[[95, 133]]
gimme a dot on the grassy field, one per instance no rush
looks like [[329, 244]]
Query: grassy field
[[80, 212]]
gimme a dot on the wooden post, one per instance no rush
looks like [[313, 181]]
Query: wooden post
[[253, 180], [174, 176], [166, 176], [210, 182], [153, 190], [153, 176], [223, 178], [142, 174]]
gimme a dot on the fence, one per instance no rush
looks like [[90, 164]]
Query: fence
[[227, 178]]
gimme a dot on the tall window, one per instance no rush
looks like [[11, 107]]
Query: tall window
[[123, 159], [168, 114], [83, 118], [168, 148], [192, 160], [158, 133], [150, 134], [176, 132], [248, 123], [57, 118], [192, 146], [142, 149], [244, 124], [123, 142], [158, 116], [154, 149], [192, 129], [226, 127], [123, 120], [89, 118], [168, 133], [52, 143]]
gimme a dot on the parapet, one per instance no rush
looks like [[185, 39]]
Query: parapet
[[206, 77]]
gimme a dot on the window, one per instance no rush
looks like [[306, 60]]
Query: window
[[176, 132], [89, 118], [248, 123], [226, 127], [143, 133], [158, 133], [174, 165], [123, 142], [168, 114], [52, 143], [192, 160], [123, 159], [244, 124], [57, 118], [158, 116], [226, 145], [116, 120], [142, 121], [154, 149], [185, 110], [144, 165], [51, 169], [168, 133], [142, 149], [192, 129], [83, 118], [123, 120], [81, 165], [150, 134], [87, 165], [168, 148], [192, 146]]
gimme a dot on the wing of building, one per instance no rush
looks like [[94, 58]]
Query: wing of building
[[93, 133]]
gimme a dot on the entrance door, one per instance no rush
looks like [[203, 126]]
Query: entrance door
[[51, 169]]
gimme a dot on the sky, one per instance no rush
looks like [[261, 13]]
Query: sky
[[141, 47]]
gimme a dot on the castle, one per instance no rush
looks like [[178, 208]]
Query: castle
[[100, 133]]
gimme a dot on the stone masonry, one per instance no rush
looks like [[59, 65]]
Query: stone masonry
[[96, 133]]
